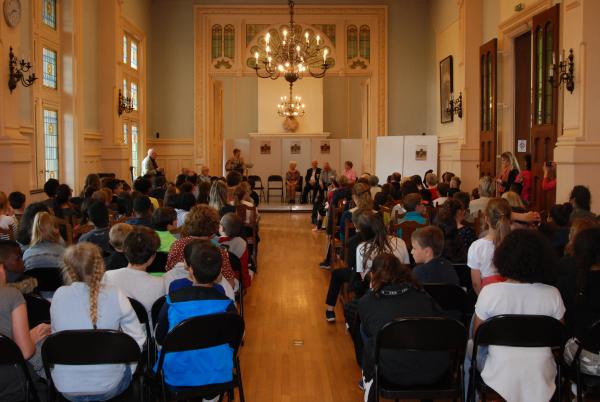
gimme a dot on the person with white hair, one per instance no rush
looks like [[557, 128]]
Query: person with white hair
[[292, 177], [149, 165]]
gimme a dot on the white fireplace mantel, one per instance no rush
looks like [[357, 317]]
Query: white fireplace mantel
[[289, 135]]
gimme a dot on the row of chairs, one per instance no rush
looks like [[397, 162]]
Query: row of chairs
[[274, 185]]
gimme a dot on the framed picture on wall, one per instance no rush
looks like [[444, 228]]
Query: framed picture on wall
[[295, 149], [446, 89], [265, 148]]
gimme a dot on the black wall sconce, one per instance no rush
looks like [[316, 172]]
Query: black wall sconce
[[125, 104], [16, 70], [455, 106], [563, 71]]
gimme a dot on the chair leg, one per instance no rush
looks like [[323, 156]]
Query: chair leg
[[239, 375]]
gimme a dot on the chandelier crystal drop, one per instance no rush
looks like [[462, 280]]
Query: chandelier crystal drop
[[290, 107], [291, 53]]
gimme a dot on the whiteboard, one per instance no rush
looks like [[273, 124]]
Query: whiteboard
[[420, 154], [389, 156]]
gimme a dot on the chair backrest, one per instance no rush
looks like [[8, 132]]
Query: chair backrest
[[247, 214], [140, 311], [204, 332], [258, 184], [590, 341], [159, 264], [65, 228], [10, 354], [155, 311], [38, 309], [49, 279], [520, 330], [449, 297], [75, 347], [274, 177], [408, 227]]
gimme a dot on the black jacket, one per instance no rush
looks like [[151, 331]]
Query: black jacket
[[309, 175]]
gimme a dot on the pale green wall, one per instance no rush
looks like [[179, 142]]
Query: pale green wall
[[90, 66], [342, 106], [172, 64], [239, 100]]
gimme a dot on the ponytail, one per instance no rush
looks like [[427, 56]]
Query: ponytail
[[498, 214]]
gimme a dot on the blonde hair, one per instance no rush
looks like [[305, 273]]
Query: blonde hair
[[508, 156], [83, 263], [486, 186], [117, 235], [514, 199], [498, 218], [44, 229]]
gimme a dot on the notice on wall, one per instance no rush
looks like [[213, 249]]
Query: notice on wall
[[522, 146]]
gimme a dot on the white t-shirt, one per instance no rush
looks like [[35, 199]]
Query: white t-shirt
[[520, 374], [6, 222], [480, 257], [439, 201], [398, 249], [398, 210], [138, 285]]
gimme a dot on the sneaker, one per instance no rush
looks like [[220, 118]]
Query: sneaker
[[324, 265], [330, 316]]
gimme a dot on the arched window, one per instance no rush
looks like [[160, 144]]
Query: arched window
[[352, 41], [229, 41], [365, 42], [217, 41]]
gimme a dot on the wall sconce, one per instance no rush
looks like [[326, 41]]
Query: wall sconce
[[563, 71], [455, 106], [125, 104], [16, 70]]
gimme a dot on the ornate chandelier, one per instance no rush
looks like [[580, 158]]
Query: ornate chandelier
[[291, 53], [291, 107]]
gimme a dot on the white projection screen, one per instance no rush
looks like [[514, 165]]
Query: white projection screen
[[409, 155]]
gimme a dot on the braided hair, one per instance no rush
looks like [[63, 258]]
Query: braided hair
[[83, 263]]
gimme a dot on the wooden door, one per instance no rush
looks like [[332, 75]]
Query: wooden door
[[522, 103], [488, 135], [545, 36]]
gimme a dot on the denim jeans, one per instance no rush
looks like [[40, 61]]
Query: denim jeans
[[119, 389]]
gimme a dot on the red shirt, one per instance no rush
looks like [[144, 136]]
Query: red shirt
[[526, 181], [548, 184]]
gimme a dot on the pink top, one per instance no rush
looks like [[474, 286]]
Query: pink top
[[526, 181], [350, 174], [548, 184]]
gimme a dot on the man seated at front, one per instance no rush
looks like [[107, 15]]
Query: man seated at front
[[311, 181], [198, 367], [327, 177], [149, 165]]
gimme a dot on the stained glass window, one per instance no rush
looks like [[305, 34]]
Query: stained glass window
[[51, 143], [365, 42], [134, 55], [352, 41], [229, 41], [549, 91], [134, 95], [134, 149], [483, 69], [125, 133], [217, 41], [489, 99], [125, 49], [539, 65], [49, 13], [125, 89], [49, 66]]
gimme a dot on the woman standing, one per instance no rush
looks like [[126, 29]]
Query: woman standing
[[508, 176], [236, 163], [292, 177]]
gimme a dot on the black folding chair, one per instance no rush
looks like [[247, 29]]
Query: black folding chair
[[159, 263], [272, 187], [49, 279], [200, 333], [588, 386], [156, 307], [236, 265], [89, 347], [258, 185], [515, 330], [142, 315], [422, 334], [464, 277], [452, 299], [38, 309], [10, 354]]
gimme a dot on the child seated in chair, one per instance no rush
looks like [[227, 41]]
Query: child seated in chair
[[427, 248], [12, 259], [164, 219], [116, 236], [203, 366], [230, 229]]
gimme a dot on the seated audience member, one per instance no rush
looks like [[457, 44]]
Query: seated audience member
[[62, 207], [204, 175], [241, 196], [230, 229], [14, 325], [446, 177], [396, 293], [481, 253], [185, 202], [50, 188], [557, 227], [349, 172], [458, 237], [26, 223], [454, 186], [486, 191], [427, 248], [432, 181], [383, 197], [171, 197], [579, 285], [375, 187], [204, 192], [442, 190], [87, 303], [526, 260], [98, 215], [46, 248], [292, 178], [201, 223], [465, 199], [159, 187], [92, 180], [203, 260], [395, 180], [142, 209], [361, 197], [515, 201], [218, 198], [319, 212], [140, 250], [117, 234], [116, 187], [581, 198], [163, 220], [12, 260], [413, 208], [380, 242], [17, 199], [143, 186], [7, 218]]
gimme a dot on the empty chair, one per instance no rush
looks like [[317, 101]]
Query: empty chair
[[275, 184], [258, 185], [10, 354]]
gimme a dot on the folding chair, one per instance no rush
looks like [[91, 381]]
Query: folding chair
[[422, 334], [236, 265], [38, 309], [515, 330], [258, 185], [588, 386], [10, 354], [160, 262], [200, 333], [250, 231], [73, 347], [156, 307], [273, 187], [452, 299]]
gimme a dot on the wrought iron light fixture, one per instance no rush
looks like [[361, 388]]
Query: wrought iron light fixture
[[563, 71], [16, 72], [291, 107], [292, 53], [125, 104], [455, 106]]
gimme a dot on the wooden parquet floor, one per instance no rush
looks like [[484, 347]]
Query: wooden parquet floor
[[291, 354]]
